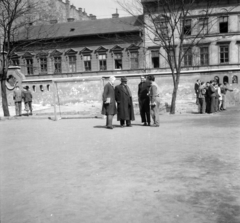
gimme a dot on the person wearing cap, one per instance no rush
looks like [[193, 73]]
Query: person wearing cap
[[123, 97], [154, 101], [17, 97], [27, 97], [109, 104], [143, 100]]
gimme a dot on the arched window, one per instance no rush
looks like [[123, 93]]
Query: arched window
[[48, 87], [235, 79], [34, 88], [225, 79], [216, 78], [41, 88]]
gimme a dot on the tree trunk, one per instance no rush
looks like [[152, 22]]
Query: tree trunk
[[4, 99], [174, 98]]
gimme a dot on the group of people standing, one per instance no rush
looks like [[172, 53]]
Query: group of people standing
[[118, 100], [22, 95], [211, 96]]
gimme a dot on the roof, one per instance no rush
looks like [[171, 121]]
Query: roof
[[81, 28]]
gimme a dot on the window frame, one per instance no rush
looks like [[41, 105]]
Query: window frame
[[203, 26], [188, 57], [186, 28], [204, 55], [134, 60], [43, 65], [29, 66], [118, 59], [155, 58], [57, 60], [223, 23], [224, 53], [102, 58], [72, 63], [87, 61]]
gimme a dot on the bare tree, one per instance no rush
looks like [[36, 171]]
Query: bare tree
[[178, 27], [14, 14]]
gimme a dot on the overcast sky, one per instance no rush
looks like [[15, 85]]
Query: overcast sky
[[100, 8]]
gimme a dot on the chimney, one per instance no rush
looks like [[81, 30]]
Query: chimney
[[80, 9], [92, 17], [53, 21], [115, 15], [70, 19]]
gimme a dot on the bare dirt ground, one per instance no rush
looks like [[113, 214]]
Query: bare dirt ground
[[186, 171]]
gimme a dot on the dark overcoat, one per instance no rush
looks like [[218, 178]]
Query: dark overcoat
[[27, 96], [143, 97], [124, 103], [109, 92]]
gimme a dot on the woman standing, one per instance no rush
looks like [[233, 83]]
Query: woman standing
[[109, 105]]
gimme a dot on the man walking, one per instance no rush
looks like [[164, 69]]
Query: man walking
[[123, 97], [143, 100], [109, 105], [154, 101], [17, 97]]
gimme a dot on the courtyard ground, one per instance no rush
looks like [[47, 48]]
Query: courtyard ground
[[75, 170]]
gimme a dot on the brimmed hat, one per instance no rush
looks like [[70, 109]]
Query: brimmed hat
[[123, 79]]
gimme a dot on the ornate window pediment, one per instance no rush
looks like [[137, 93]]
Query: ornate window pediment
[[42, 54], [117, 49], [101, 50], [71, 52], [27, 55], [56, 53], [86, 50], [133, 47]]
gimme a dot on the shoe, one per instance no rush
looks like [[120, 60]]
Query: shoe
[[129, 125], [122, 126], [149, 124], [145, 124], [155, 125], [109, 127]]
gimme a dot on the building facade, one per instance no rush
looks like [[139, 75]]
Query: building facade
[[219, 49], [95, 47]]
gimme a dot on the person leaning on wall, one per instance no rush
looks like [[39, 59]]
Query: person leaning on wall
[[109, 104], [27, 97]]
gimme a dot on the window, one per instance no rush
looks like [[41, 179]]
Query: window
[[204, 55], [41, 88], [48, 87], [29, 62], [15, 62], [235, 79], [102, 62], [162, 29], [203, 25], [34, 88], [43, 65], [134, 60], [57, 65], [72, 64], [187, 57], [187, 27], [223, 24], [87, 62], [224, 54], [225, 79], [118, 61], [155, 59]]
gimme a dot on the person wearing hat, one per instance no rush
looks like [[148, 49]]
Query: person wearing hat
[[123, 97], [109, 105], [17, 97], [143, 100], [27, 97]]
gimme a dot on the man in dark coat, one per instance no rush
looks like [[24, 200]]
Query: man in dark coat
[[109, 104], [213, 97], [123, 97], [196, 89], [27, 96], [144, 101], [17, 97]]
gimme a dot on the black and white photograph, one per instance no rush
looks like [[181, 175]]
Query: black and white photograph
[[119, 111]]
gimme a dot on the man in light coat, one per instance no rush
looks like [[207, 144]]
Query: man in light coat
[[17, 97], [154, 94]]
